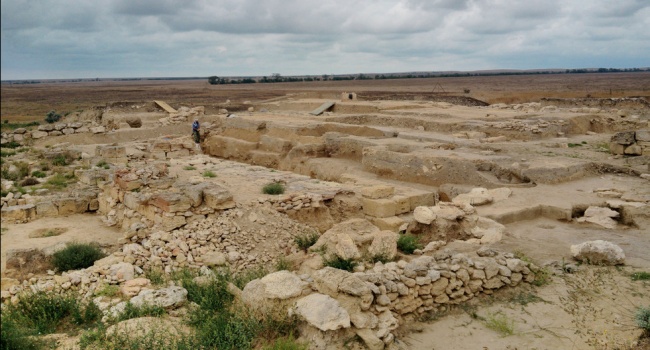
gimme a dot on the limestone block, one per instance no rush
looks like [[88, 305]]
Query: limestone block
[[378, 191], [71, 205], [55, 133], [616, 148], [633, 150], [403, 204], [18, 213], [122, 271], [391, 223], [623, 138], [110, 151], [421, 199], [642, 135], [169, 223], [218, 198], [380, 208], [67, 131], [477, 196], [98, 129], [38, 134], [46, 209], [46, 127], [169, 298], [160, 145], [370, 339], [345, 247], [282, 285], [384, 244], [214, 259], [171, 202], [424, 215], [60, 126], [323, 312], [598, 252]]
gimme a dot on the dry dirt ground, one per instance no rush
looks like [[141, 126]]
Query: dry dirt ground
[[589, 308]]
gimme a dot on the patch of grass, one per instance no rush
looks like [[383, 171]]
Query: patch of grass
[[286, 343], [209, 173], [542, 277], [241, 279], [20, 171], [60, 160], [602, 147], [76, 256], [572, 145], [153, 339], [642, 318], [189, 167], [103, 164], [212, 296], [13, 335], [4, 153], [500, 323], [39, 174], [44, 313], [641, 276], [273, 188], [132, 311], [13, 126], [108, 290], [306, 240], [408, 243], [12, 144], [337, 262], [156, 276], [60, 181], [381, 257], [283, 264]]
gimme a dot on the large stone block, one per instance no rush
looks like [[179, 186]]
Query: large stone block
[[391, 223], [274, 144], [169, 223], [403, 204], [378, 191], [421, 199], [171, 202], [38, 134], [379, 208], [218, 198], [18, 213], [111, 151], [623, 138], [71, 205], [642, 135], [46, 209]]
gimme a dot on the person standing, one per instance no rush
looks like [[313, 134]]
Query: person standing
[[195, 133]]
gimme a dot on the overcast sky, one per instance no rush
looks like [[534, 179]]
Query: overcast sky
[[173, 38]]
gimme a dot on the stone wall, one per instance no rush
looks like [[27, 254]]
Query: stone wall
[[631, 143]]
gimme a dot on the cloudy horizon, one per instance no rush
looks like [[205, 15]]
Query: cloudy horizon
[[69, 39]]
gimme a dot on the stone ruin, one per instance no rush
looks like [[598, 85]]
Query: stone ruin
[[359, 178]]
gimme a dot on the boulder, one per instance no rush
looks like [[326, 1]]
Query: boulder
[[424, 215], [214, 259], [477, 196], [384, 244], [282, 285], [168, 298], [623, 138], [322, 312], [598, 252], [345, 247], [600, 216], [134, 122]]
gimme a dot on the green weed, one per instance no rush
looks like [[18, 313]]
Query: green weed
[[641, 276], [408, 243], [131, 311], [155, 275], [209, 173], [306, 240], [76, 256], [38, 174], [642, 318], [189, 167], [500, 323], [273, 188], [337, 262]]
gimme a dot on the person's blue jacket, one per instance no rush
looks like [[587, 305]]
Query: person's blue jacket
[[195, 125]]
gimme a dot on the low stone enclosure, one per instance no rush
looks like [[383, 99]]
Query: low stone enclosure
[[358, 177]]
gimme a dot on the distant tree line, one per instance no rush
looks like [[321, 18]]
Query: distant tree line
[[278, 78]]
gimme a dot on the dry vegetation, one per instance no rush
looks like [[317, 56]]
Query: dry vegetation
[[32, 101]]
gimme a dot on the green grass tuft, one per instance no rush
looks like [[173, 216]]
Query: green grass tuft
[[337, 262], [76, 256], [642, 318], [500, 323], [273, 188], [408, 243], [306, 240], [189, 167], [641, 276], [209, 173]]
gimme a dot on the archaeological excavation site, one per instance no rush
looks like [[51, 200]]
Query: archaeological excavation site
[[334, 220]]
